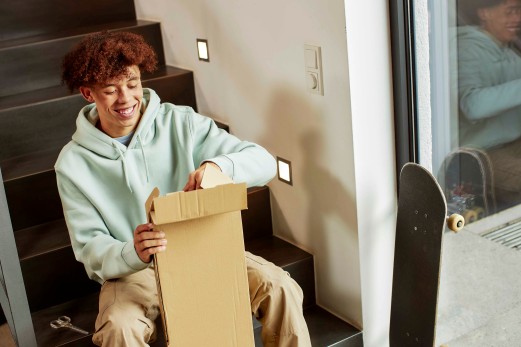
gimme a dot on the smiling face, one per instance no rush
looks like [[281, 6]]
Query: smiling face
[[118, 102], [502, 21]]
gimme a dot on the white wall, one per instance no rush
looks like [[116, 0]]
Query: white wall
[[343, 182], [368, 42]]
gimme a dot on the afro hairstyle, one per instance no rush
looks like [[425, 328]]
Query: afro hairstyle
[[103, 56]]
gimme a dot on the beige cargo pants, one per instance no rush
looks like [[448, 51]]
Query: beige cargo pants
[[128, 307]]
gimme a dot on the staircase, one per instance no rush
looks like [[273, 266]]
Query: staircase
[[37, 117]]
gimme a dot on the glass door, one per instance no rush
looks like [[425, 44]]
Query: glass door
[[474, 145]]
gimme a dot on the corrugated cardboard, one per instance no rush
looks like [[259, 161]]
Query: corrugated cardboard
[[201, 277]]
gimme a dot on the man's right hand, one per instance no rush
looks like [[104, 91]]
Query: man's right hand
[[148, 242]]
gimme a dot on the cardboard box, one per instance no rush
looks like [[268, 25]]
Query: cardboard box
[[201, 277]]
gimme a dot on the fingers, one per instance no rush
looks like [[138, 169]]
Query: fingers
[[196, 177], [148, 241], [191, 184]]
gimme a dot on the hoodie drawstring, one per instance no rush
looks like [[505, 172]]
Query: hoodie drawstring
[[124, 167], [144, 157]]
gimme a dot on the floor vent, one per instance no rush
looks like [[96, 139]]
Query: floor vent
[[508, 235]]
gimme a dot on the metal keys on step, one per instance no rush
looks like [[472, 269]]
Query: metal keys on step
[[65, 322]]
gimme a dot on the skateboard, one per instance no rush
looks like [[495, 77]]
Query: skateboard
[[422, 215], [468, 184]]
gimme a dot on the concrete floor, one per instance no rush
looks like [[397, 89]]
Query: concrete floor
[[480, 289]]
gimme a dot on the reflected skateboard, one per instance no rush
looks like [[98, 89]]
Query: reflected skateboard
[[467, 183]]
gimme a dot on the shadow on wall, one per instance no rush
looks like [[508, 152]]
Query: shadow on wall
[[330, 214], [331, 211]]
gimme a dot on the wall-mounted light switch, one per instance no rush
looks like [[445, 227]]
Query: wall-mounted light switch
[[313, 69]]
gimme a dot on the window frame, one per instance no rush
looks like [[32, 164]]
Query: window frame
[[404, 82]]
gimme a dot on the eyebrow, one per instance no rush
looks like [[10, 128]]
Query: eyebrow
[[132, 78]]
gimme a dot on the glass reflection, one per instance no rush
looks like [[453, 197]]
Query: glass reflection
[[484, 175]]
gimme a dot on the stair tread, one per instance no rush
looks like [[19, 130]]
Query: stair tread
[[58, 92], [43, 238], [29, 164], [82, 311], [77, 31], [326, 329], [37, 65], [35, 17], [276, 250]]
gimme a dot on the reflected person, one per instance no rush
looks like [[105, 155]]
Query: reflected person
[[489, 78]]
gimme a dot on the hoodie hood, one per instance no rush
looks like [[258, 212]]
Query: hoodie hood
[[91, 138], [479, 38], [472, 32]]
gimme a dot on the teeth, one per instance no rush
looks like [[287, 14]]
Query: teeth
[[126, 111]]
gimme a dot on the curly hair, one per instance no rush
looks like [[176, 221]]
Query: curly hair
[[468, 10], [105, 55]]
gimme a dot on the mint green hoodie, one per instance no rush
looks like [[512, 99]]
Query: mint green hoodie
[[104, 184], [489, 76]]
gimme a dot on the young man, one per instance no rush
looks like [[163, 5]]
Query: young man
[[127, 142]]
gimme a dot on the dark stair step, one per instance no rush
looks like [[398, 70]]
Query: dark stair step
[[41, 239], [51, 273], [79, 30], [256, 220], [325, 330], [82, 311], [33, 200], [38, 65], [24, 130], [19, 19]]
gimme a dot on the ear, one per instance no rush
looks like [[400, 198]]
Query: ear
[[87, 93], [483, 14]]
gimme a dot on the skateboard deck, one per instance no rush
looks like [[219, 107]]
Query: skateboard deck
[[422, 213]]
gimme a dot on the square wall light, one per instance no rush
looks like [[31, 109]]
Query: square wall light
[[202, 50], [284, 171]]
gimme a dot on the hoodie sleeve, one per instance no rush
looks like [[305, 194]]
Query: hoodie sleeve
[[482, 93], [103, 256], [243, 161]]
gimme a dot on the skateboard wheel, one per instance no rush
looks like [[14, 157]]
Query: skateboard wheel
[[480, 212], [470, 216], [456, 222]]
